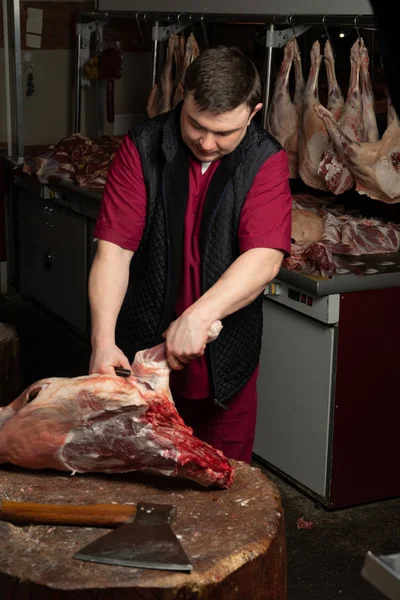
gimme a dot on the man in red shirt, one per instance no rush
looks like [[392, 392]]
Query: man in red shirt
[[195, 221]]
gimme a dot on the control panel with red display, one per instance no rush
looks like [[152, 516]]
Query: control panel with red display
[[322, 308]]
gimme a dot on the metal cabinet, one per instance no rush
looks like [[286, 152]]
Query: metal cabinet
[[295, 395], [53, 257], [33, 239]]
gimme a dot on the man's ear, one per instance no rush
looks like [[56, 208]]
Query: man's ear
[[255, 111]]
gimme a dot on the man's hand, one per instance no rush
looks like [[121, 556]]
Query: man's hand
[[105, 358], [185, 340], [108, 283], [245, 279]]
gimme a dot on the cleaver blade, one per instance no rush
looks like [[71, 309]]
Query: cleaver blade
[[146, 543]]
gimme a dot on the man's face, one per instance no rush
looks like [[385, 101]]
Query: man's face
[[210, 136]]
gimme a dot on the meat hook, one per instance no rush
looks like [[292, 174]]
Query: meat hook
[[191, 23], [328, 37], [139, 27], [356, 27], [289, 20], [146, 25], [204, 30], [169, 25]]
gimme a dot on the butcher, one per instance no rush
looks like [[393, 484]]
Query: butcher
[[195, 221]]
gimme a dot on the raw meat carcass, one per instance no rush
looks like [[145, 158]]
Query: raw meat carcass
[[335, 96], [369, 124], [166, 81], [192, 51], [313, 138], [109, 424], [284, 115], [179, 59], [169, 92], [153, 101], [374, 165], [160, 98], [337, 177], [300, 85], [391, 113]]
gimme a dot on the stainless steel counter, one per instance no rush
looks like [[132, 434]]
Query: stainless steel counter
[[369, 272], [363, 272], [70, 196]]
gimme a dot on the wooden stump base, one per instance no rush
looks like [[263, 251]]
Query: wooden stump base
[[234, 538]]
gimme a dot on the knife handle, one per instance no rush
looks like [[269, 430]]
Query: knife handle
[[87, 515]]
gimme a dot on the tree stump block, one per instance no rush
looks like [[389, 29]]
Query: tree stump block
[[9, 364], [234, 538]]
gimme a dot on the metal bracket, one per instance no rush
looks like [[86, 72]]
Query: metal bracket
[[279, 39], [85, 30], [161, 34]]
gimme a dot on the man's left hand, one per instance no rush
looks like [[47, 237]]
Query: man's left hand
[[185, 340]]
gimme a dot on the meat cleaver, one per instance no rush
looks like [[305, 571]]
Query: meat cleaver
[[144, 538]]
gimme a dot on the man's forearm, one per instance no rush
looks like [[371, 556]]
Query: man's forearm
[[108, 282], [239, 285]]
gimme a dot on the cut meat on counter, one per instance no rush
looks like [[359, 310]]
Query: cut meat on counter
[[110, 424], [314, 139], [337, 177], [75, 159], [344, 234], [284, 115], [374, 165], [312, 259], [307, 226]]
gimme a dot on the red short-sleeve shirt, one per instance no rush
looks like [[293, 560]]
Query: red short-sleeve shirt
[[265, 222]]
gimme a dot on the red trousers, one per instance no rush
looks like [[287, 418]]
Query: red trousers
[[231, 430]]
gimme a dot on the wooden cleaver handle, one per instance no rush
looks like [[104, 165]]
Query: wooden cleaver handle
[[86, 515]]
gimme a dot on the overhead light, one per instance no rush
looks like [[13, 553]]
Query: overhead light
[[341, 34]]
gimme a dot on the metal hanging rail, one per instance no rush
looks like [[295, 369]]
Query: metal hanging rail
[[364, 20], [275, 36]]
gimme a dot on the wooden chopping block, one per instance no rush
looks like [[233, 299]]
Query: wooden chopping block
[[234, 538], [9, 364]]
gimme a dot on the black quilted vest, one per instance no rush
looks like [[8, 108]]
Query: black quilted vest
[[148, 307]]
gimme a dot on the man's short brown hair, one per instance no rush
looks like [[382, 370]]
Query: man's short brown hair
[[222, 79]]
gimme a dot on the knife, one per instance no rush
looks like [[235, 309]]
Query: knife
[[122, 372]]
